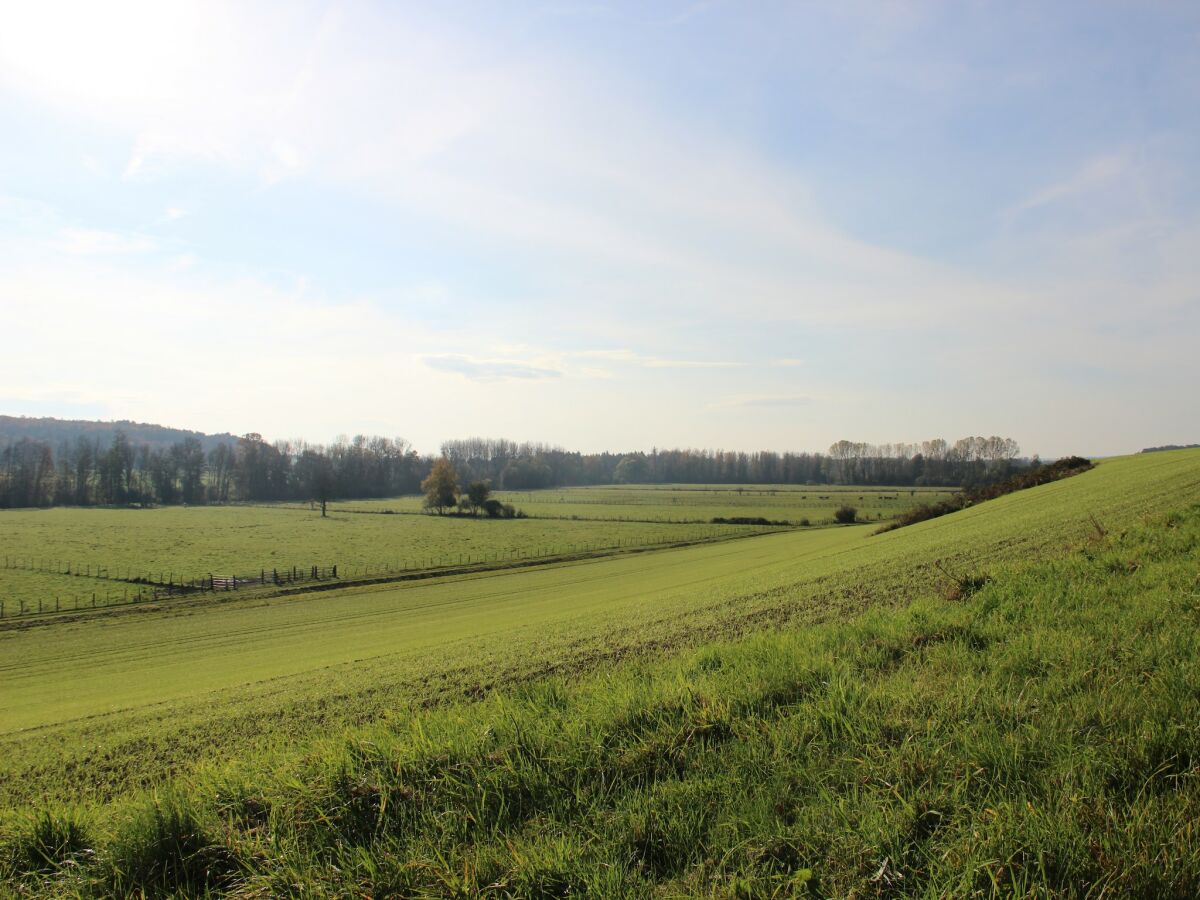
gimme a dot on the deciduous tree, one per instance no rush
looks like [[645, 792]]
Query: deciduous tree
[[440, 486]]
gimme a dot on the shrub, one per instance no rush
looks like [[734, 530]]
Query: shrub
[[493, 507], [845, 515], [1036, 475]]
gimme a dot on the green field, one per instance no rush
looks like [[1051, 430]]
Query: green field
[[1058, 687], [50, 557], [696, 503], [190, 542], [311, 648], [28, 587]]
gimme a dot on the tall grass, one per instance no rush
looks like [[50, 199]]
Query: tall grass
[[1033, 736]]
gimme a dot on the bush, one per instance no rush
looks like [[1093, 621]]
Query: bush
[[494, 508], [845, 515], [1036, 475]]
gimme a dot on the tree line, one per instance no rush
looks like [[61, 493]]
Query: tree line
[[86, 472], [89, 472], [937, 462]]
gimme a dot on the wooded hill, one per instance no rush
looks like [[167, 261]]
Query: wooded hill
[[55, 431]]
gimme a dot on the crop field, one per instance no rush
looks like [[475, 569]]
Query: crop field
[[245, 703], [697, 503]]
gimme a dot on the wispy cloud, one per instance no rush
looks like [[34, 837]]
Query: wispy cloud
[[489, 369], [1092, 175], [655, 362]]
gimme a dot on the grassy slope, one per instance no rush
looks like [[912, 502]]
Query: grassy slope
[[1039, 733], [140, 659], [283, 670]]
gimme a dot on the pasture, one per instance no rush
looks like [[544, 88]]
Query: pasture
[[696, 503], [52, 559], [24, 588], [174, 543]]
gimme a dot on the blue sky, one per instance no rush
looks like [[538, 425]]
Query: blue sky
[[608, 226]]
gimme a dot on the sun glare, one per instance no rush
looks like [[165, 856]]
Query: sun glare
[[105, 55]]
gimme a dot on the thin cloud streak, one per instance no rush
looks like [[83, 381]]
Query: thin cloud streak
[[654, 362], [488, 369]]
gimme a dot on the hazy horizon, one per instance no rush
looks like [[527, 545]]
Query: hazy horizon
[[433, 451], [607, 228]]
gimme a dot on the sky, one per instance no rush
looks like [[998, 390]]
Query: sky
[[606, 225]]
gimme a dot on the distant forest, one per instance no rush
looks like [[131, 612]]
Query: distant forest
[[84, 470], [56, 431]]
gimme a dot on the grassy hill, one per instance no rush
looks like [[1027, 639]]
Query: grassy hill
[[1001, 700]]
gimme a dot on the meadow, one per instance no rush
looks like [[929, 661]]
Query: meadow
[[694, 503], [173, 543], [51, 557], [1000, 700], [24, 588]]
